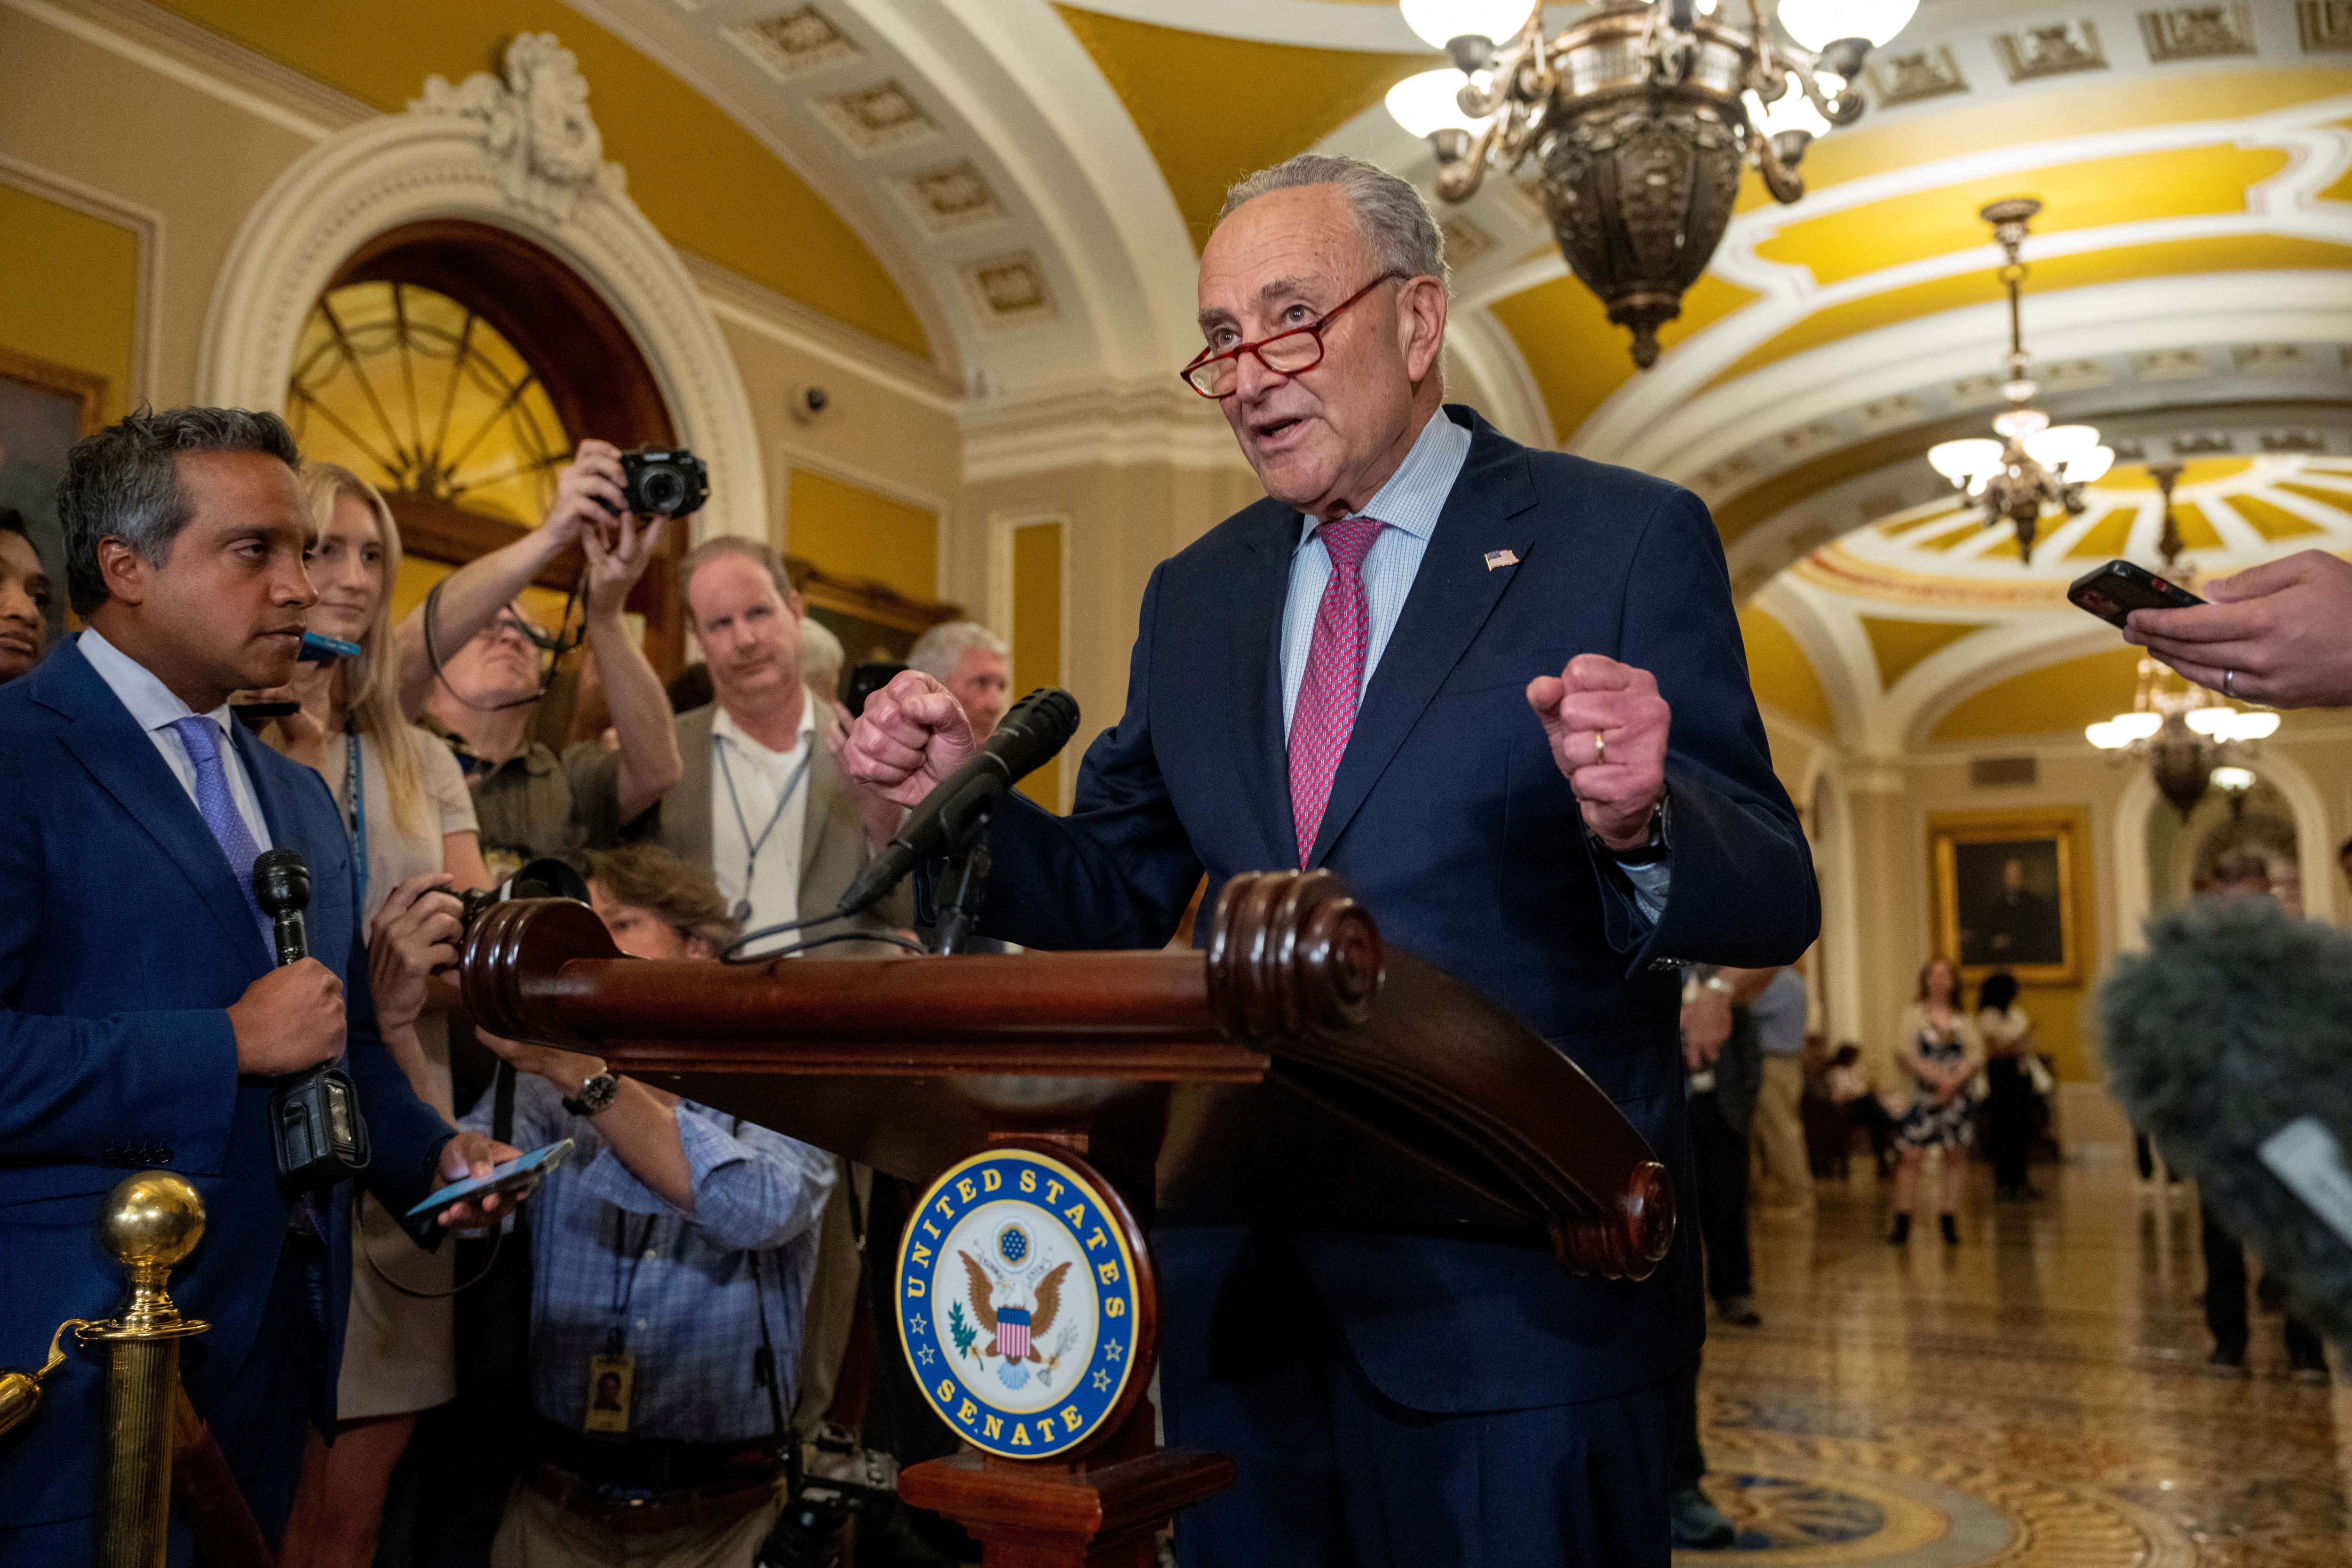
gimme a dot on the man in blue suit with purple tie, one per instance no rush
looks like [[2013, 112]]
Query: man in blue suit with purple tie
[[1502, 694], [143, 1022]]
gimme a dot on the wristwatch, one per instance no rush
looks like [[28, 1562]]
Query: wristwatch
[[596, 1094]]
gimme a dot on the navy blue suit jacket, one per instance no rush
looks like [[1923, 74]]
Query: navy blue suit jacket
[[124, 937], [1449, 819]]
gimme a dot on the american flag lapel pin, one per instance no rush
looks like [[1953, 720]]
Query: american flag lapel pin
[[1501, 558]]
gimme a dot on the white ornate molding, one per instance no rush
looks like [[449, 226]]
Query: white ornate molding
[[522, 154], [536, 123], [1094, 422]]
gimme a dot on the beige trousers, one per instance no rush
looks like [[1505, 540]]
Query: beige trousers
[[536, 1534], [1785, 1177]]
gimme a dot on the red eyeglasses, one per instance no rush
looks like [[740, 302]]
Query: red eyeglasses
[[1285, 354]]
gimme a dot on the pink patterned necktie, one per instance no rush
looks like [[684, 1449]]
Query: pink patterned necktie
[[1326, 710]]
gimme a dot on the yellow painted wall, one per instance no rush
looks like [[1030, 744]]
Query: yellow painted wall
[[1900, 646], [1037, 636], [708, 183], [1578, 358], [2060, 697], [850, 531], [1214, 109], [1780, 673], [70, 289]]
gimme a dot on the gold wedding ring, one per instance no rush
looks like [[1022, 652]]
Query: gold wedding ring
[[1600, 750]]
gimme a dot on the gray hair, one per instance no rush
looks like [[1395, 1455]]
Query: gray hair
[[938, 651], [124, 483], [1389, 213], [821, 651], [719, 544]]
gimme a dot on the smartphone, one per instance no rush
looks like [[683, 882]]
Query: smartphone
[[519, 1174], [2114, 591], [319, 648]]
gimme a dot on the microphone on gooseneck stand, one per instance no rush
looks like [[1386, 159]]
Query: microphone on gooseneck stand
[[1025, 739], [315, 1123]]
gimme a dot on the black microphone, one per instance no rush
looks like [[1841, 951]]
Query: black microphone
[[1039, 725], [281, 885], [2230, 1044], [321, 1136]]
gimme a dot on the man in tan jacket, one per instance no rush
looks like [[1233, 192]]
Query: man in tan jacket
[[760, 801]]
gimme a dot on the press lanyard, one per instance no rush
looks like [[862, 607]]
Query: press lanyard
[[359, 806], [752, 847], [623, 1288]]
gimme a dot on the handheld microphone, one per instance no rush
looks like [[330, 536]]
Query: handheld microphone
[[2228, 1043], [321, 1139], [281, 885], [1039, 725]]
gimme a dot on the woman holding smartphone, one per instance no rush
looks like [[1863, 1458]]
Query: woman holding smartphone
[[411, 823]]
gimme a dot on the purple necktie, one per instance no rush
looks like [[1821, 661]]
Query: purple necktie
[[1325, 709], [204, 738]]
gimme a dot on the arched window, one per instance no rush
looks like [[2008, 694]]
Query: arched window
[[457, 365]]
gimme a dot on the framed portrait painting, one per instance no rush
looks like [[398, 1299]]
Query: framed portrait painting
[[44, 409], [2007, 894]]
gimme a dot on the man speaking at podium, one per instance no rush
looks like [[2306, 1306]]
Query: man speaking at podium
[[1501, 694]]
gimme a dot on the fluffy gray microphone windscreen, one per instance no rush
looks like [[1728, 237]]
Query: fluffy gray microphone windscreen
[[2233, 1032]]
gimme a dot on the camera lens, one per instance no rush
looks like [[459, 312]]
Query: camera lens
[[663, 488]]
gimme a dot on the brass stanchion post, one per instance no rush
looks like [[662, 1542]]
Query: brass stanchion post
[[149, 1223]]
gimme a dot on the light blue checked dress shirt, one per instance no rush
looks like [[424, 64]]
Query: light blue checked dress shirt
[[693, 1310], [1408, 503]]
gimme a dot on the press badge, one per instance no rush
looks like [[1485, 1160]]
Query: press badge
[[611, 1380]]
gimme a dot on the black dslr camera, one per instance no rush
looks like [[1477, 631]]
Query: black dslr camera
[[545, 878], [669, 484]]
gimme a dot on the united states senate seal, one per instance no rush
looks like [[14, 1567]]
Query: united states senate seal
[[1020, 1305]]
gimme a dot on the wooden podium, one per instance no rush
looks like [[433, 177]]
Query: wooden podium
[[1293, 1073]]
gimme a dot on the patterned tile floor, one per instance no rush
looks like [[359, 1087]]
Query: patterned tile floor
[[2036, 1395]]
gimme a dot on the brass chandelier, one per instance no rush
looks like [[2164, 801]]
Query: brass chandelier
[[1641, 117], [2035, 464]]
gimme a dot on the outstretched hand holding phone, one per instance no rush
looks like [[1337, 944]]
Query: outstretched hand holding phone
[[2280, 633]]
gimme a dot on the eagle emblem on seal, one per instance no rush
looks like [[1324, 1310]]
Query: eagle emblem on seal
[[1020, 1314]]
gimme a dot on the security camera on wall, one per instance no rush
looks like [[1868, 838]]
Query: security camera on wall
[[810, 402]]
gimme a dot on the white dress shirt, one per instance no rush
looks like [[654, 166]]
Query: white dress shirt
[[153, 707], [772, 882]]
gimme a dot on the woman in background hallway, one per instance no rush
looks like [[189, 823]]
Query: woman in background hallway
[[2013, 1108], [1937, 1046]]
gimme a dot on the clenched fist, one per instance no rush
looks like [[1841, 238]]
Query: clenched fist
[[912, 735], [1607, 726], [289, 1019]]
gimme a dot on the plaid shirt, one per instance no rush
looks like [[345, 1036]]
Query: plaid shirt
[[696, 1286]]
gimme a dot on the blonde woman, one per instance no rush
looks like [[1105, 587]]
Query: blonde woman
[[1937, 1046], [413, 830]]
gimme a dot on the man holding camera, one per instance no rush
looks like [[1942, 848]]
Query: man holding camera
[[143, 1023], [476, 670]]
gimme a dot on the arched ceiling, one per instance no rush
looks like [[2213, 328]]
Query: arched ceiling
[[1926, 629], [1013, 190]]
